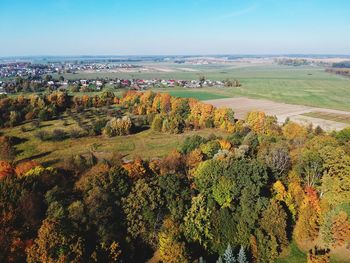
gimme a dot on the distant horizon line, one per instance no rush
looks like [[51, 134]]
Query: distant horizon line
[[177, 55]]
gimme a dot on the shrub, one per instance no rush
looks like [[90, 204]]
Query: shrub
[[42, 135], [74, 134], [157, 123], [98, 126], [118, 127], [58, 135]]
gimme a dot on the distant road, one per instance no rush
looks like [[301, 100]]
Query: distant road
[[242, 105]]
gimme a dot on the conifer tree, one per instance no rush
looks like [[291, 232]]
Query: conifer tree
[[242, 258], [228, 255]]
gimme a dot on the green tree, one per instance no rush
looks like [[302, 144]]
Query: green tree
[[274, 222], [143, 208], [197, 221]]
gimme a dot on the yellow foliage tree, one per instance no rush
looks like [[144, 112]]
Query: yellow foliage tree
[[170, 248], [294, 131], [262, 124]]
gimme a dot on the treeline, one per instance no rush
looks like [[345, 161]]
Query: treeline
[[343, 64], [245, 197], [169, 114], [15, 110], [339, 71], [160, 111], [292, 62]]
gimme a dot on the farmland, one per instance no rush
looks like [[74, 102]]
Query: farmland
[[305, 85]]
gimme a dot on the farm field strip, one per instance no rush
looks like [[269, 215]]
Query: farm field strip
[[344, 118], [298, 113]]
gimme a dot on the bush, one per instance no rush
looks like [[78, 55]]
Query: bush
[[118, 127], [98, 126], [24, 129], [157, 123], [191, 143], [74, 134], [42, 135], [58, 135], [43, 115], [35, 124]]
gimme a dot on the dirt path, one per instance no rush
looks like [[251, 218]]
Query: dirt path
[[243, 105]]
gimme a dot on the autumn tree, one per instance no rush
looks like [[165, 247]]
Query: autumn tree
[[56, 243], [341, 229], [308, 223], [262, 124], [336, 179], [5, 169], [294, 132], [171, 248], [23, 167], [118, 127]]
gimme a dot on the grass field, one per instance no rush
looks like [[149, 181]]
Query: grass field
[[293, 255], [146, 143], [306, 85]]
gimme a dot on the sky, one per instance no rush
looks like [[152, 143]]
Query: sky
[[173, 27]]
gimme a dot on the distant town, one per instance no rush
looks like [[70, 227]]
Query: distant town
[[93, 74]]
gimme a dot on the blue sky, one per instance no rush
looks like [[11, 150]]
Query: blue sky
[[151, 27]]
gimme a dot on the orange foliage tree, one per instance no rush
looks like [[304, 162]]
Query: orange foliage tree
[[5, 169], [22, 168]]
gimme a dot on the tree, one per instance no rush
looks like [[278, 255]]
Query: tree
[[171, 249], [336, 179], [210, 148], [177, 194], [7, 151], [294, 132], [307, 225], [224, 119], [262, 124], [157, 123], [228, 255], [242, 258], [310, 167], [118, 127], [343, 136], [341, 229], [22, 168], [5, 169], [318, 255], [191, 143], [55, 243], [266, 248], [274, 222], [102, 190], [282, 195], [143, 210], [278, 159], [197, 221], [223, 191]]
